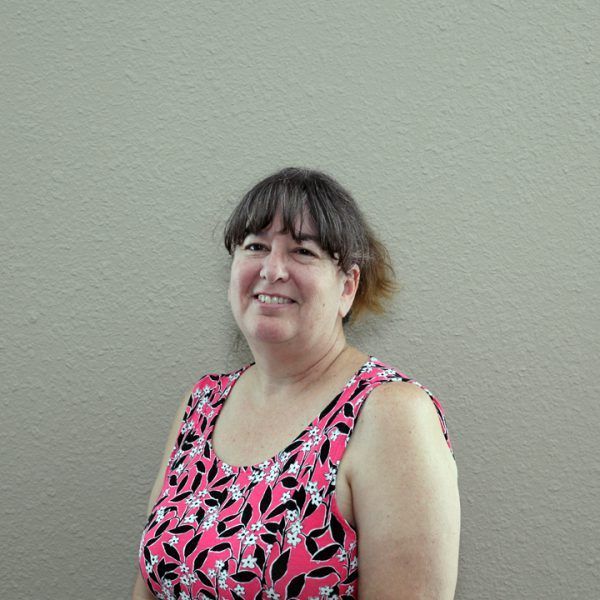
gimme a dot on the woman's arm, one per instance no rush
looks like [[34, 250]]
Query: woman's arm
[[140, 589], [405, 498]]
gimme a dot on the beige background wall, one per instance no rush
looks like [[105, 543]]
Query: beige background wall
[[468, 131]]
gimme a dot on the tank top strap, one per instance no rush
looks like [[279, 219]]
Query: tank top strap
[[339, 422]]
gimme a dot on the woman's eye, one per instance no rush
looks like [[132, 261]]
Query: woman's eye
[[254, 247], [305, 252]]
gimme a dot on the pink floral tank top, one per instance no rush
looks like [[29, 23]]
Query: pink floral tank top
[[271, 530]]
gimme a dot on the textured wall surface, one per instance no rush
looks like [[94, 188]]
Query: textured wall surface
[[468, 131]]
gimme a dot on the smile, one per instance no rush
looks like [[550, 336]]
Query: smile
[[264, 299]]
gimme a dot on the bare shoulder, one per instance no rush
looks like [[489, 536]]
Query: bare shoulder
[[400, 417], [404, 496]]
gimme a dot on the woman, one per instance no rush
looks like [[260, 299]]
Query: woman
[[244, 505]]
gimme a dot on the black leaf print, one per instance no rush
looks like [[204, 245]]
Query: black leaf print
[[219, 496], [172, 480], [199, 560], [171, 551], [200, 468], [288, 464], [177, 590], [223, 480], [279, 567], [321, 572], [310, 509], [170, 575], [299, 497], [165, 567], [327, 552], [204, 579], [294, 445], [337, 531], [231, 531], [147, 555], [229, 503], [191, 545], [295, 586], [213, 471], [182, 484], [223, 546], [277, 511], [221, 527], [268, 538], [211, 502], [343, 427], [247, 515], [324, 452], [244, 576], [315, 533], [182, 496], [312, 546], [353, 575], [206, 451], [181, 529], [289, 482], [161, 528], [197, 481], [272, 527], [227, 519], [266, 500], [329, 407], [236, 596], [259, 554], [348, 410]]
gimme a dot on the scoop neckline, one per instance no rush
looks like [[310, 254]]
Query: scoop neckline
[[268, 461]]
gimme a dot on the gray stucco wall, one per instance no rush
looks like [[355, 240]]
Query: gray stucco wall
[[468, 131]]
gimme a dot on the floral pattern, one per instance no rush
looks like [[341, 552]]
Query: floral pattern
[[271, 530]]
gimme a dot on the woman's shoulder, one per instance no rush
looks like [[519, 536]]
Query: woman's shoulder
[[401, 405]]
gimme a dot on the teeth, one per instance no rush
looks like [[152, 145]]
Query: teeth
[[273, 299]]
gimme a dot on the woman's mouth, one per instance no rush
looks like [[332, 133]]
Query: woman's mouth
[[268, 299]]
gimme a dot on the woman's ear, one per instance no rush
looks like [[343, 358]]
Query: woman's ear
[[351, 282]]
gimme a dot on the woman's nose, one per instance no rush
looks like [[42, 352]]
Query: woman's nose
[[274, 267]]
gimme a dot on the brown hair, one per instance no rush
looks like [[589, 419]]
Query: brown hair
[[341, 228]]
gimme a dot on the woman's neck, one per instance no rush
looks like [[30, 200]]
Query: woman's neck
[[278, 374]]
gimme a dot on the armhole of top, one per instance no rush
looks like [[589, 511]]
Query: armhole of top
[[436, 403]]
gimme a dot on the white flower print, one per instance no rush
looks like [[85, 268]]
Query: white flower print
[[334, 433], [174, 540], [306, 445], [273, 595], [311, 487], [294, 468], [189, 519], [219, 564], [325, 591], [160, 514], [286, 496], [250, 539], [239, 590], [249, 562], [331, 476], [242, 534], [256, 526], [313, 431], [257, 476], [293, 539], [292, 514], [316, 498]]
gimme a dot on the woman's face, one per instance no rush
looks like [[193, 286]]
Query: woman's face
[[281, 290]]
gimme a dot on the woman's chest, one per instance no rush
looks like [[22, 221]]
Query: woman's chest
[[272, 528]]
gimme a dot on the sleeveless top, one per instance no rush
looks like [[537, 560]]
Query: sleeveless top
[[272, 530]]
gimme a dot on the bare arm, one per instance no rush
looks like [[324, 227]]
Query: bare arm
[[140, 589], [405, 499]]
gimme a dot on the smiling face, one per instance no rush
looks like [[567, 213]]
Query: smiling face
[[284, 290]]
